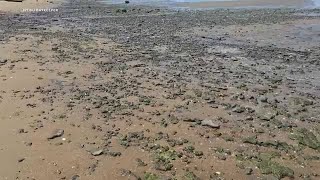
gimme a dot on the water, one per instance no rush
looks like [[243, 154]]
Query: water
[[225, 3], [316, 3]]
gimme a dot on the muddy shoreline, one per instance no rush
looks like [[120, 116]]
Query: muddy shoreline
[[97, 91]]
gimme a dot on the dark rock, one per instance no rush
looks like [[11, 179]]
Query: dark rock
[[21, 131], [114, 154], [21, 159], [75, 177], [28, 143], [140, 162]]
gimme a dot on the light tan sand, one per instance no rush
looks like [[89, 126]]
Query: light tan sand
[[246, 3], [27, 4]]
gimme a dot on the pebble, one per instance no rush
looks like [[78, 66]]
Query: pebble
[[21, 159], [210, 123], [249, 171], [97, 153], [75, 177], [56, 133]]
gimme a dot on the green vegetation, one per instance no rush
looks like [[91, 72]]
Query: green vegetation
[[150, 176], [190, 176], [269, 167], [306, 138]]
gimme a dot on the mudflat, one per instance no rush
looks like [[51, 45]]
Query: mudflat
[[96, 91]]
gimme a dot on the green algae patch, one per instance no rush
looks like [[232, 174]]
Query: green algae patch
[[167, 155], [306, 138], [163, 160], [190, 176], [150, 176], [269, 167]]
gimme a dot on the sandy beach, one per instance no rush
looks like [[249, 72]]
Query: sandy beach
[[98, 91]]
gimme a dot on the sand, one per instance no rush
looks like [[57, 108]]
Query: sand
[[26, 4], [141, 82]]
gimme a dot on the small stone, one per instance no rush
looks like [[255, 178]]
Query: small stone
[[97, 153], [198, 153], [75, 177], [114, 154], [249, 118], [28, 143], [21, 159], [263, 99], [249, 171], [238, 109], [140, 162], [210, 123], [21, 131], [56, 133], [222, 157], [59, 144], [268, 115]]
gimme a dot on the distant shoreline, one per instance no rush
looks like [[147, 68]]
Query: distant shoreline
[[27, 5], [248, 3], [224, 4]]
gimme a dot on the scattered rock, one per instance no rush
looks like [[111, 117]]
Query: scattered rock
[[210, 123], [249, 171], [97, 153], [21, 131], [75, 177], [56, 133], [263, 99], [21, 159]]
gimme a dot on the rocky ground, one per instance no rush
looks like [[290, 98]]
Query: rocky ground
[[130, 92]]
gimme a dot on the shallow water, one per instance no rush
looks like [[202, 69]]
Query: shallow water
[[225, 3]]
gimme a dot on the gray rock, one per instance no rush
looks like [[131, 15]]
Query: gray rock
[[222, 157], [210, 123], [249, 118], [75, 177], [97, 153], [238, 109], [263, 99], [56, 133], [267, 115], [249, 171]]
